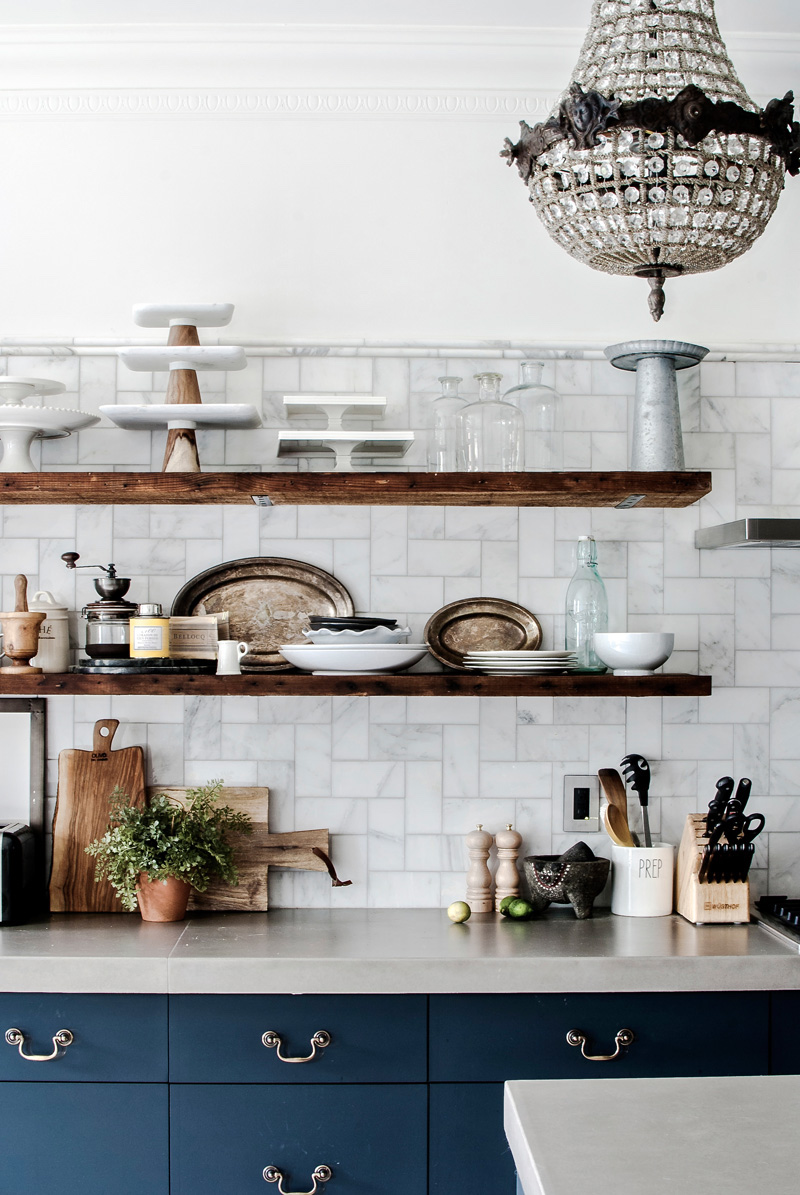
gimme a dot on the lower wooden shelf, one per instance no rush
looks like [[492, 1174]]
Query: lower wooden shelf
[[303, 684]]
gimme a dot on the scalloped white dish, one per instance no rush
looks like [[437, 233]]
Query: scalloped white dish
[[338, 659], [325, 637]]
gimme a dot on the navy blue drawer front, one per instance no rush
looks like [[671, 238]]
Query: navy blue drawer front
[[468, 1150], [785, 1038], [84, 1139], [373, 1138], [115, 1038], [494, 1038], [373, 1039]]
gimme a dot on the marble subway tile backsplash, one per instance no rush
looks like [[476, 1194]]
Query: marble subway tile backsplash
[[400, 781]]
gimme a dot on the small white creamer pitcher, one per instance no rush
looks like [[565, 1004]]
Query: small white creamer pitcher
[[229, 657]]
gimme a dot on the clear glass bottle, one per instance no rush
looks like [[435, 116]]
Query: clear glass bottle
[[491, 431], [542, 410], [586, 607], [443, 455]]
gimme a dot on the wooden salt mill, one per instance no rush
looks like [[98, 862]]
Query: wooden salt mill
[[508, 843], [21, 632], [479, 878]]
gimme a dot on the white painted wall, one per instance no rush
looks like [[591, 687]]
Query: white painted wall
[[166, 160]]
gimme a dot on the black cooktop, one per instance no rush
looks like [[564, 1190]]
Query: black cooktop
[[780, 914]]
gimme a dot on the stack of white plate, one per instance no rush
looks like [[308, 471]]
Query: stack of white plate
[[521, 663]]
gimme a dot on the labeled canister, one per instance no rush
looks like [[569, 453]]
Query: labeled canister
[[53, 653], [149, 633]]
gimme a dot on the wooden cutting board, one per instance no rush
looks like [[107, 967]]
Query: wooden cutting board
[[255, 854], [86, 780]]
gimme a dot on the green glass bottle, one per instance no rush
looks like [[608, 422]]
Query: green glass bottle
[[586, 607]]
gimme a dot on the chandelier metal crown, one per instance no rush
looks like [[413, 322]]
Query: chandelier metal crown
[[655, 162]]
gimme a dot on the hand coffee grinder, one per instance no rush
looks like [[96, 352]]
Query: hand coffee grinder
[[108, 632]]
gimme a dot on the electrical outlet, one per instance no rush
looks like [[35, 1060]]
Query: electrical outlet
[[582, 803]]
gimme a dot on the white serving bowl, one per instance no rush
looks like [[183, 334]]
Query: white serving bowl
[[326, 637], [337, 659], [633, 653]]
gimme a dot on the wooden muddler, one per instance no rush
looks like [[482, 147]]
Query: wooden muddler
[[21, 632], [180, 454]]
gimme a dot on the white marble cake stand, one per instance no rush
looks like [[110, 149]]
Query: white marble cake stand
[[155, 416], [21, 425], [194, 357], [182, 315]]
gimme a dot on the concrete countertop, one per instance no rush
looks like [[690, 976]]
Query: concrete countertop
[[389, 951], [721, 1136]]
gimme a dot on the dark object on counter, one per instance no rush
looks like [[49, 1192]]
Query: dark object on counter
[[729, 861], [18, 890], [359, 622], [576, 878], [141, 667], [270, 601], [637, 773], [782, 914]]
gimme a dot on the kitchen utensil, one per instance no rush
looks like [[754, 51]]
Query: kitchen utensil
[[254, 854], [479, 879], [342, 659], [575, 878], [269, 600], [506, 878], [108, 627], [473, 624], [642, 880], [711, 882], [617, 827], [739, 827], [637, 773], [614, 789], [719, 802], [52, 653], [86, 780], [740, 798], [633, 653], [21, 632], [229, 657]]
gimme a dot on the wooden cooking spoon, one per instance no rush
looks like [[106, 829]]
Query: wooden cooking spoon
[[616, 826], [614, 788]]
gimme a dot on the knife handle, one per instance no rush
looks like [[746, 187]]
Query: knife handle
[[743, 792]]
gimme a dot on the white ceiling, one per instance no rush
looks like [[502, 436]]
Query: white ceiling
[[768, 16]]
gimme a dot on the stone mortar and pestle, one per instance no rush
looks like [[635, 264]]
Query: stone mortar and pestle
[[21, 632], [576, 878]]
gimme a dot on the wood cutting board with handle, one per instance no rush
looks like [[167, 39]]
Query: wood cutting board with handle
[[255, 853], [86, 780]]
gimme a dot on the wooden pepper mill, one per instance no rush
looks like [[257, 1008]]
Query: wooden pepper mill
[[479, 878], [508, 843], [21, 632]]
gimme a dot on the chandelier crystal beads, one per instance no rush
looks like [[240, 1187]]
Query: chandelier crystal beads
[[656, 162]]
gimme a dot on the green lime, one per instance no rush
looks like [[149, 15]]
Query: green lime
[[520, 910], [459, 911], [505, 903]]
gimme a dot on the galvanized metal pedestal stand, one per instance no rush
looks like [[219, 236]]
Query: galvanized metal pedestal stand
[[657, 440]]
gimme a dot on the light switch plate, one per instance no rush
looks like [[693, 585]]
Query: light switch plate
[[582, 803]]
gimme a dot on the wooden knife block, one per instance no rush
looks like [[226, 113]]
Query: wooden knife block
[[706, 904]]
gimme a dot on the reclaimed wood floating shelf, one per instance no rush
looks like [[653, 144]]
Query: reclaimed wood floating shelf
[[358, 489], [303, 684]]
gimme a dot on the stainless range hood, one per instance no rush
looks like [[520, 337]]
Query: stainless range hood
[[750, 533]]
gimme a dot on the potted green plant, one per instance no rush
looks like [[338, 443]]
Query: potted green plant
[[154, 854]]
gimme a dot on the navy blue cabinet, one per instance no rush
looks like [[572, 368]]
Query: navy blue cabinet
[[494, 1038], [784, 1035], [84, 1139], [115, 1038], [371, 1039], [468, 1150], [372, 1137]]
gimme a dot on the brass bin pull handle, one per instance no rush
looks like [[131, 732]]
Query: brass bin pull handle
[[319, 1041], [62, 1039], [273, 1175], [624, 1037]]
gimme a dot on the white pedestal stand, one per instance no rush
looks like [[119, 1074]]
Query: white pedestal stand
[[21, 425], [183, 357], [343, 443]]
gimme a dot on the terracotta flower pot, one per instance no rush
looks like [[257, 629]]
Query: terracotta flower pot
[[162, 900]]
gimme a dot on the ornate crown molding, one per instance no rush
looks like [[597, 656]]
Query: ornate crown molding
[[263, 103]]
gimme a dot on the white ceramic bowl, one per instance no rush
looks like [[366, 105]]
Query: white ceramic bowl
[[338, 659], [633, 653], [325, 637]]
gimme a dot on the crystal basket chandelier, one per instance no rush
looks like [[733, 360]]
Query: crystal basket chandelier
[[656, 162]]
